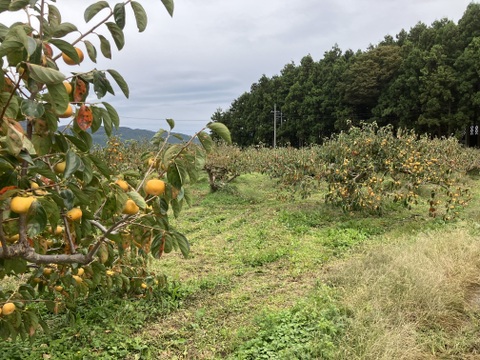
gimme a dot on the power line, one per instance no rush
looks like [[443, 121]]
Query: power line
[[162, 119]]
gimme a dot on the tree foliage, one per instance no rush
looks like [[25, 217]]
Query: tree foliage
[[424, 79], [71, 223]]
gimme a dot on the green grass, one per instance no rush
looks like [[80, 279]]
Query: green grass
[[257, 259], [297, 279], [103, 327]]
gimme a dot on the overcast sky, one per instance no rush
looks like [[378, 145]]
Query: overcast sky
[[211, 51]]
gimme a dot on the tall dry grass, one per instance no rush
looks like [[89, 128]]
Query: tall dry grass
[[418, 298]]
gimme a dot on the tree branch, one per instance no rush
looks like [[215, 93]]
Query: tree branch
[[19, 250]]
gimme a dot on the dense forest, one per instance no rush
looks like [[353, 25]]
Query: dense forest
[[426, 79]]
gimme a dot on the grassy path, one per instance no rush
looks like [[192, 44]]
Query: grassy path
[[255, 258]]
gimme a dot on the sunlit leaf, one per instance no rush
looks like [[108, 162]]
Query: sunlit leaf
[[221, 130], [138, 199], [206, 141], [31, 46], [45, 75]]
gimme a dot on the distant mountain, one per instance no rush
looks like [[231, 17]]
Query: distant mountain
[[126, 133]]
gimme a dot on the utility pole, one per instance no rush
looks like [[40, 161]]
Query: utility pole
[[275, 126]]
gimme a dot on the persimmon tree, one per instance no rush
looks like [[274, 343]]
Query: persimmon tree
[[70, 225]]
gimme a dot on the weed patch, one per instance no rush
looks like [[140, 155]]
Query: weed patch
[[310, 330]]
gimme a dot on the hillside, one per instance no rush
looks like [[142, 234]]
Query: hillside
[[126, 133]]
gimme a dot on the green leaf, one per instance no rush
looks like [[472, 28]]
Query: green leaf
[[94, 9], [36, 219], [112, 113], [31, 46], [140, 16], [58, 97], [206, 141], [105, 47], [73, 163], [174, 177], [31, 108], [168, 243], [82, 198], [221, 130], [13, 106], [5, 165], [52, 210], [63, 29], [120, 81], [139, 200], [182, 243], [119, 15], [87, 172], [101, 85], [85, 137], [54, 16], [97, 119], [171, 123], [61, 143], [107, 122], [157, 245], [44, 172], [79, 143], [67, 48], [17, 266], [176, 207], [42, 144], [18, 5], [101, 166], [45, 75], [91, 50], [117, 34], [4, 5], [169, 6], [68, 198]]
